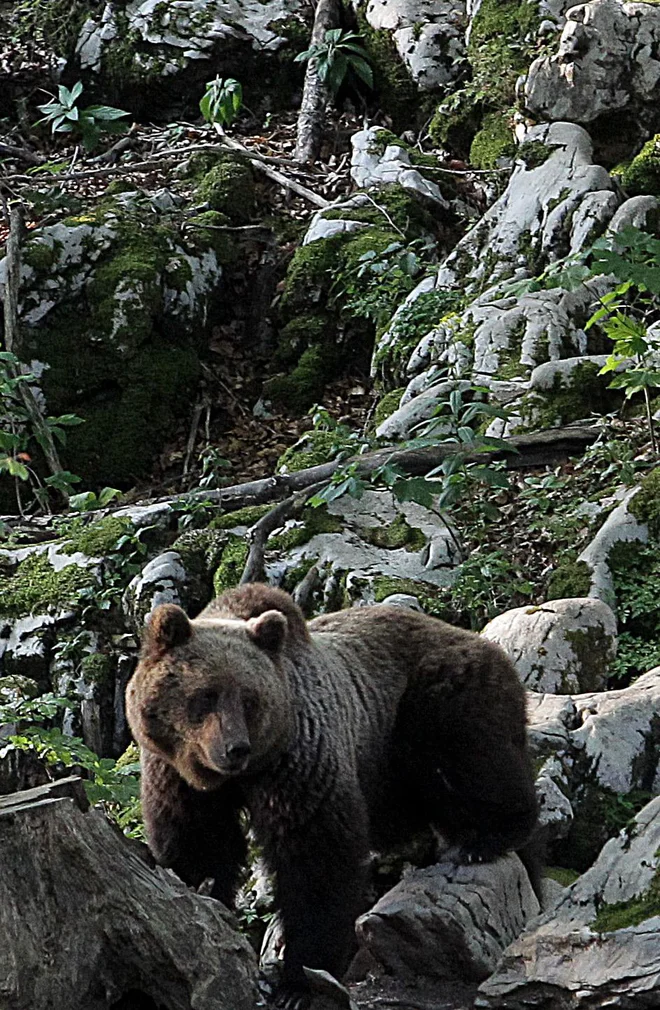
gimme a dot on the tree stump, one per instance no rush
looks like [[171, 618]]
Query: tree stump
[[86, 923]]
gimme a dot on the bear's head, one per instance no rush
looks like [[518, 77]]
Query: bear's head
[[210, 696]]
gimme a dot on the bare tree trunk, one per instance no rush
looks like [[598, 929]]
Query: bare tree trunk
[[86, 924], [315, 93]]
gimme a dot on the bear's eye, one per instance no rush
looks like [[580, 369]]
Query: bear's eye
[[202, 704]]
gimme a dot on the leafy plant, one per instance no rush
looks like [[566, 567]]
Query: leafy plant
[[86, 501], [17, 432], [64, 116], [121, 563], [487, 583], [222, 101], [114, 784], [336, 57], [380, 280]]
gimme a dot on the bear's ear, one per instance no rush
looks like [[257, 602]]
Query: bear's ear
[[168, 626], [268, 630]]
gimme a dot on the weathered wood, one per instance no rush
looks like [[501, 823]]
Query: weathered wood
[[84, 919], [315, 93], [535, 449]]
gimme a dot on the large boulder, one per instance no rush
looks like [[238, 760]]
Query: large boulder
[[600, 945], [449, 921], [561, 647], [605, 73]]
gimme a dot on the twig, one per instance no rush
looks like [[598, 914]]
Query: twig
[[273, 174], [384, 213], [22, 153], [258, 535], [192, 436]]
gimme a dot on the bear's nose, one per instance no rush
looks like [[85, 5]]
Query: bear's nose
[[238, 751]]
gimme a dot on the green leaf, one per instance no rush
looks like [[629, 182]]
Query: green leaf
[[104, 112], [363, 70], [66, 420], [76, 90], [417, 489], [486, 475], [14, 468]]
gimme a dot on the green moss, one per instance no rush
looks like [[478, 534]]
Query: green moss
[[230, 569], [96, 539], [229, 188], [428, 597], [561, 874], [312, 449], [600, 814], [200, 550], [40, 256], [395, 536], [623, 914], [493, 141], [294, 576], [392, 82], [241, 517], [97, 668], [642, 175], [53, 25], [298, 334], [35, 586], [590, 645], [645, 506], [310, 275], [314, 521], [209, 231], [581, 393], [569, 580], [304, 386], [502, 38], [533, 153], [387, 405]]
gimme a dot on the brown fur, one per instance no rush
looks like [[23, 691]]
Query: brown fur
[[339, 736]]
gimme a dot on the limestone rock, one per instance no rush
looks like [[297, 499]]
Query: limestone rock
[[606, 64], [429, 36], [562, 647], [160, 581], [449, 921], [373, 166], [584, 953], [619, 527]]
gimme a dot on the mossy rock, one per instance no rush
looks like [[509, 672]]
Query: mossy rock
[[118, 349], [642, 175], [34, 587], [645, 505], [396, 91], [580, 393], [570, 580], [493, 142], [624, 914], [298, 391], [229, 188], [232, 562], [600, 814], [314, 448], [313, 522], [396, 535], [387, 405]]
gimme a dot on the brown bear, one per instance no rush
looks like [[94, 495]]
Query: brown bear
[[340, 735]]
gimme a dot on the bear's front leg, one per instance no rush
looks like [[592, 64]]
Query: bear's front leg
[[196, 834], [320, 871]]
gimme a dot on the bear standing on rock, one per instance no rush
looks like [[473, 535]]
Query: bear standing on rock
[[339, 736]]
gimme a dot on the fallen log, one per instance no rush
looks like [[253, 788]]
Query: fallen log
[[87, 924]]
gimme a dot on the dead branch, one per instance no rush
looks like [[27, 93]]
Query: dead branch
[[258, 535], [272, 173]]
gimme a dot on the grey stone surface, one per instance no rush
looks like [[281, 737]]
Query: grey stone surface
[[449, 921], [607, 61], [562, 962], [373, 167], [561, 647], [429, 36], [619, 527]]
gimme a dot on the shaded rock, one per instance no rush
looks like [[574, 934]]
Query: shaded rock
[[448, 921], [429, 36], [160, 581], [600, 945], [562, 647], [606, 65]]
